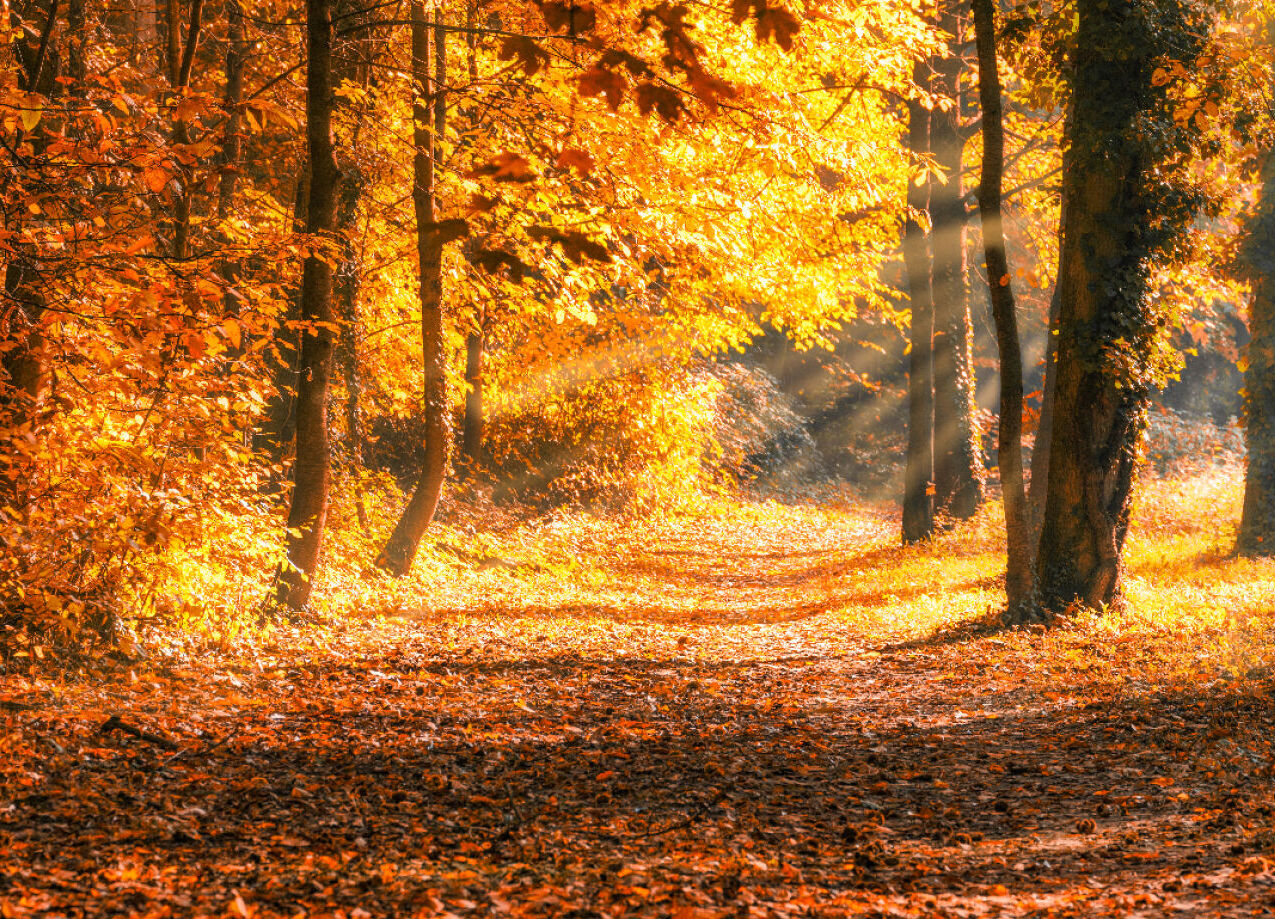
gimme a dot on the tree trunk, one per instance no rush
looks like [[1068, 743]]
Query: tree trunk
[[179, 67], [472, 432], [1045, 427], [1018, 571], [25, 376], [918, 479], [957, 467], [1123, 214], [475, 342], [278, 429], [400, 550], [349, 278], [1257, 522], [309, 505], [232, 141]]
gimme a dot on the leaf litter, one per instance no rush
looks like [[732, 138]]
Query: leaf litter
[[748, 715]]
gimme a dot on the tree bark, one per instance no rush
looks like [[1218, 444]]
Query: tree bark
[[232, 139], [471, 444], [400, 550], [957, 467], [309, 505], [278, 429], [349, 280], [1018, 572], [1122, 215], [25, 375], [179, 66], [1257, 521], [1045, 427], [918, 478]]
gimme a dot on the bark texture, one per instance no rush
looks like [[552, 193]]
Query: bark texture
[[918, 479], [1045, 427], [308, 510], [1018, 572], [1257, 522], [471, 442], [957, 466], [1125, 210], [400, 550]]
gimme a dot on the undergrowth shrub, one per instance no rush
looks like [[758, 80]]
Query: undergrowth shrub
[[632, 443]]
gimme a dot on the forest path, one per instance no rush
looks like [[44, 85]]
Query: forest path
[[715, 717]]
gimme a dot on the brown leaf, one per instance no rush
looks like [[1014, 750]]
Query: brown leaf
[[506, 167], [600, 81], [577, 159], [531, 57]]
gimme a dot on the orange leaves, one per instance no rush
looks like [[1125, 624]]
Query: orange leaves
[[155, 178]]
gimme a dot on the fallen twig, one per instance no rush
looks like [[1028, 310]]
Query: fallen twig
[[114, 723]]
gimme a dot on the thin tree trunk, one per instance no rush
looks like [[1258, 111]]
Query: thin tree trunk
[[1045, 427], [400, 550], [957, 467], [179, 67], [309, 506], [232, 140], [475, 342], [1257, 522], [349, 278], [472, 431], [278, 429], [918, 479], [1018, 571]]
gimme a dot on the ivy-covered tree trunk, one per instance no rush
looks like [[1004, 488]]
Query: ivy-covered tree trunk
[[918, 478], [1124, 210], [308, 511], [400, 550], [1257, 523], [1018, 571], [957, 467]]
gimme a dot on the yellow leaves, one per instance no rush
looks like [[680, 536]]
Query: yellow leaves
[[31, 108]]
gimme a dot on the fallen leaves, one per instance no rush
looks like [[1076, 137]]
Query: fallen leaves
[[693, 739]]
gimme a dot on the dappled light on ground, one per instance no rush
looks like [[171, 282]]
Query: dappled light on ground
[[770, 712]]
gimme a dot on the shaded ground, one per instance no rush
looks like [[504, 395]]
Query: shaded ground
[[717, 727]]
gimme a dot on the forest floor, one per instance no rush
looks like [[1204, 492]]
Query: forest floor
[[770, 711]]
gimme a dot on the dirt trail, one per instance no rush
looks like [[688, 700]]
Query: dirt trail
[[700, 730]]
